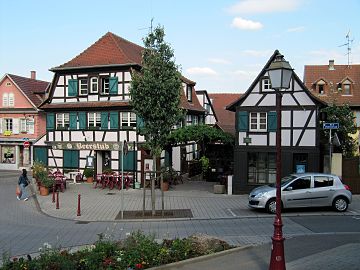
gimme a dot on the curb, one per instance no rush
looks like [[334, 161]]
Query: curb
[[175, 265]]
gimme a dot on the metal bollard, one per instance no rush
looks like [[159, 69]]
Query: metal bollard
[[53, 193], [78, 209], [57, 200]]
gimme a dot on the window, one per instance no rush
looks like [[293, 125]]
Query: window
[[195, 119], [127, 119], [5, 99], [7, 154], [323, 181], [94, 120], [347, 89], [301, 183], [23, 127], [94, 85], [188, 120], [258, 121], [189, 93], [11, 100], [262, 168], [105, 86], [265, 84], [62, 121], [321, 89], [8, 124], [83, 86]]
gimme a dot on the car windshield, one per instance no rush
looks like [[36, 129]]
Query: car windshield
[[285, 180]]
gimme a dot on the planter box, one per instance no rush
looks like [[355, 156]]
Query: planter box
[[219, 189]]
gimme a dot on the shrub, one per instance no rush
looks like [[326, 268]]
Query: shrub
[[88, 172]]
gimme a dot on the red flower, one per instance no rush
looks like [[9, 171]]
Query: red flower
[[139, 266]]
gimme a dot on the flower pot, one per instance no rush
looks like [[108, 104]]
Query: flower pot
[[165, 186], [89, 179], [44, 191]]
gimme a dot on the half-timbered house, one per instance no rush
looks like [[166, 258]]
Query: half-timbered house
[[89, 115], [21, 122], [206, 103], [255, 146]]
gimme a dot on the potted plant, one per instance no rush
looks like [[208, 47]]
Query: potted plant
[[45, 183], [89, 174], [37, 169], [168, 175]]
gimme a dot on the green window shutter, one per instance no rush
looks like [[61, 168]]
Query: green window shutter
[[242, 121], [167, 158], [50, 121], [104, 120], [113, 85], [71, 158], [114, 120], [72, 88], [129, 161], [82, 120], [140, 125], [72, 121], [272, 121], [41, 155]]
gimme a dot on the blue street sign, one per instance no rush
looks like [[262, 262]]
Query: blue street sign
[[330, 125]]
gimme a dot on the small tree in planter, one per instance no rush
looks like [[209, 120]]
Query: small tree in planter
[[45, 183], [89, 174]]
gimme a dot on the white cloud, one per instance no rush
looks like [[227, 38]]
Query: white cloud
[[255, 53], [246, 24], [296, 29], [263, 6], [201, 71], [244, 73], [219, 61]]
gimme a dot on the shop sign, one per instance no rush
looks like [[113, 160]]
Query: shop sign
[[7, 133], [97, 146]]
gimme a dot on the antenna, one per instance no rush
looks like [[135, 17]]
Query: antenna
[[148, 28], [348, 45]]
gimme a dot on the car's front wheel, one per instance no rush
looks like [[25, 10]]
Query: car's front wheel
[[340, 204], [270, 206]]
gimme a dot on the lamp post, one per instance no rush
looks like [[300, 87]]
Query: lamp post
[[280, 73]]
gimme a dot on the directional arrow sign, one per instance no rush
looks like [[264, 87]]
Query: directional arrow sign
[[330, 125]]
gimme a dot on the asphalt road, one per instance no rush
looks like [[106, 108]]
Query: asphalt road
[[23, 229]]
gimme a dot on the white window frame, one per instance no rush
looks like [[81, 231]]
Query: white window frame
[[195, 119], [256, 119], [62, 121], [127, 119], [266, 84], [9, 124], [83, 86], [5, 100], [189, 120], [189, 93], [23, 125], [94, 81], [105, 86], [94, 120]]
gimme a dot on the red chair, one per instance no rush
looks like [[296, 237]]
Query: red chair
[[99, 179]]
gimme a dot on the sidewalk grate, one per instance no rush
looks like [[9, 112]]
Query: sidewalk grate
[[175, 213]]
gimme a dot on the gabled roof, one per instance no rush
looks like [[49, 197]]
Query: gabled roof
[[194, 105], [333, 77], [226, 118], [110, 49], [232, 106], [29, 87]]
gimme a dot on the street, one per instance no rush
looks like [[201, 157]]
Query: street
[[24, 229]]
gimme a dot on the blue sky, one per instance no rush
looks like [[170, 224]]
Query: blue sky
[[222, 45]]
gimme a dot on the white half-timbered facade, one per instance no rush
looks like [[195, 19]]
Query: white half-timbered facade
[[206, 103], [88, 115], [255, 147]]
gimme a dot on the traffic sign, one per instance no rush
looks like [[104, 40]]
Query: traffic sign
[[26, 144], [330, 125]]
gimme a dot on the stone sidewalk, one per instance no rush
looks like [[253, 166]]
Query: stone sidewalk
[[105, 205]]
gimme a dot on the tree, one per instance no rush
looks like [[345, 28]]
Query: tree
[[345, 117], [155, 94]]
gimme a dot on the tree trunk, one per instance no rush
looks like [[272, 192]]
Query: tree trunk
[[153, 187]]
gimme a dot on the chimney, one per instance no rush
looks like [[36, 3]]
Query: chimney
[[33, 75], [331, 64]]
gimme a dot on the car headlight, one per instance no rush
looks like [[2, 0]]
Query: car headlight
[[259, 195]]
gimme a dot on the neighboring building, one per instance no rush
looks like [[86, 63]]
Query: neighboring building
[[205, 102], [255, 144], [339, 84], [225, 118], [20, 119], [89, 115]]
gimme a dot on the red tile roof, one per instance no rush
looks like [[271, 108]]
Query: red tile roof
[[313, 73], [29, 87], [110, 49], [194, 105], [226, 119]]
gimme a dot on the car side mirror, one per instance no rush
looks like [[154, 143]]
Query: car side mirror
[[288, 189]]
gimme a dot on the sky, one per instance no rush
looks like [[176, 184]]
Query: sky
[[221, 45]]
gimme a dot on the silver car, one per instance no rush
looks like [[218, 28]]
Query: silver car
[[303, 190]]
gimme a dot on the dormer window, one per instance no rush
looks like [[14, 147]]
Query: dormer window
[[346, 89], [320, 87], [189, 93]]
